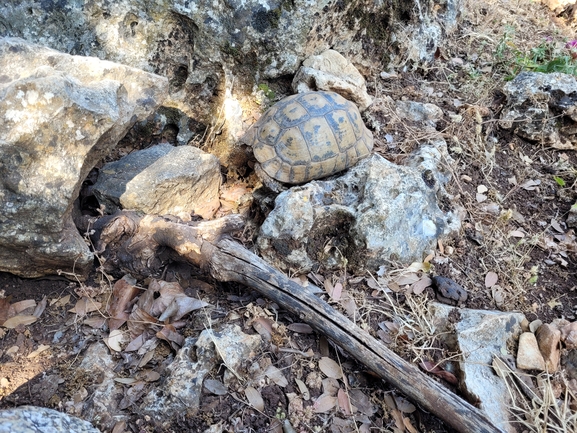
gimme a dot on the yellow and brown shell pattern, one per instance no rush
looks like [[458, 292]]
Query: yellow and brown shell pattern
[[309, 136]]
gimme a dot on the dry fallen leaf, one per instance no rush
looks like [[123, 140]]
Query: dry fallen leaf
[[556, 226], [491, 279], [123, 294], [396, 413], [62, 301], [301, 328], [15, 321], [498, 295], [303, 389], [404, 405], [324, 403], [146, 358], [344, 403], [407, 279], [38, 351], [40, 307], [125, 380], [276, 376], [420, 286], [135, 344], [139, 321], [148, 375], [330, 368], [254, 398], [95, 322], [530, 185], [330, 386], [169, 334], [180, 306], [114, 340], [23, 305], [349, 305], [85, 305], [215, 387], [337, 291], [263, 325], [516, 234], [6, 310], [409, 426], [438, 371]]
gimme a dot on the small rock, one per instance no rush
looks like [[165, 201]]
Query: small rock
[[479, 336], [333, 72], [428, 114], [548, 338], [448, 291], [570, 364], [528, 355], [569, 335], [388, 75]]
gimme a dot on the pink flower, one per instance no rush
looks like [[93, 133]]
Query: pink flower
[[572, 47]]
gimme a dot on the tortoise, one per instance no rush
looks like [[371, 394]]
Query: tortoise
[[308, 136]]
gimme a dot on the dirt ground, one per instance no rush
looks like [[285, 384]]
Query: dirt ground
[[515, 229]]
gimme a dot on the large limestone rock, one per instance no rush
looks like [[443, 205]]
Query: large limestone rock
[[377, 211], [216, 52], [59, 114]]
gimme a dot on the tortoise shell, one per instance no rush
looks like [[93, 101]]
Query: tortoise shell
[[309, 136]]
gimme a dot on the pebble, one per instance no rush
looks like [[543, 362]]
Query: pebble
[[569, 335], [528, 355], [448, 291], [548, 338]]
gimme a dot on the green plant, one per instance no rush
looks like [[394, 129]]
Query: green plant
[[549, 56], [559, 181], [268, 92]]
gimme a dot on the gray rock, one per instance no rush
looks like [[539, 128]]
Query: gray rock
[[162, 180], [182, 387], [480, 336], [32, 419], [105, 395], [377, 211], [207, 48], [542, 108], [331, 71], [59, 114], [425, 114], [529, 356]]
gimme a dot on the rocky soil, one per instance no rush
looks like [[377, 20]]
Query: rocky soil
[[515, 252]]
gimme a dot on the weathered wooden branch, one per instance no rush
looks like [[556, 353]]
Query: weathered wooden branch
[[131, 242]]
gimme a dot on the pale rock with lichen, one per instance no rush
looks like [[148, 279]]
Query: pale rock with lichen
[[59, 115], [331, 71], [377, 211]]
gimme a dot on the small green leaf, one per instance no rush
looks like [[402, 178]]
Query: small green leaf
[[559, 181], [533, 279]]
